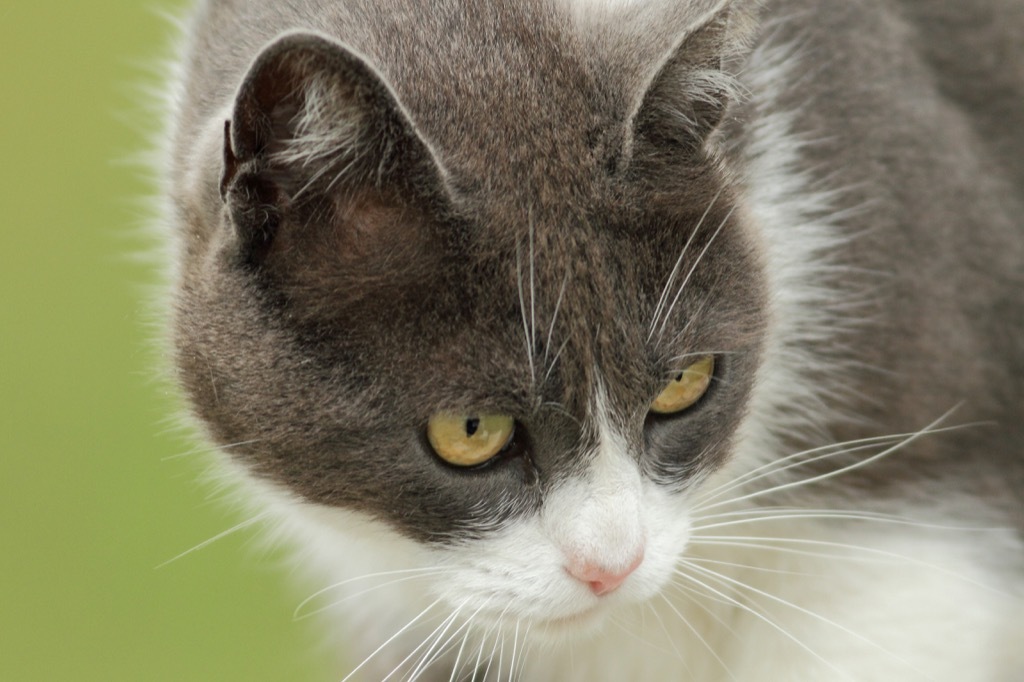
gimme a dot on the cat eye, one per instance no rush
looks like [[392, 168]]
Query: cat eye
[[686, 388], [468, 440]]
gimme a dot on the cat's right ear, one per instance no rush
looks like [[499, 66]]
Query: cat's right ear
[[314, 124], [686, 94]]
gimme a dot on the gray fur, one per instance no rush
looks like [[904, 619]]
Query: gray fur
[[332, 345], [497, 162]]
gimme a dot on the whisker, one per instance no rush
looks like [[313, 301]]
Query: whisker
[[693, 268], [297, 616], [842, 470], [480, 655], [741, 541], [700, 638], [701, 595], [757, 516], [457, 666], [763, 618], [522, 310], [219, 536], [690, 590], [554, 318], [629, 633], [695, 318], [497, 637], [761, 569], [515, 650], [554, 361], [206, 449], [675, 268], [467, 627], [560, 409], [700, 354], [671, 640], [794, 460], [436, 649], [432, 570], [528, 647], [795, 552], [392, 638], [813, 614], [533, 296]]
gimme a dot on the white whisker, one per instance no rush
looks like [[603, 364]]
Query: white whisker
[[515, 650], [794, 460], [837, 472], [690, 590], [533, 296], [417, 573], [701, 596], [693, 268], [223, 534], [699, 354], [526, 651], [675, 268], [758, 516], [498, 637], [467, 629], [551, 327], [436, 648], [671, 640], [741, 541], [337, 602], [457, 665], [480, 654], [202, 450], [789, 550], [764, 619], [748, 567], [392, 638], [828, 621], [522, 310], [554, 361], [699, 637]]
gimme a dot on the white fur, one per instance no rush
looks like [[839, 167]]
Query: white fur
[[598, 518]]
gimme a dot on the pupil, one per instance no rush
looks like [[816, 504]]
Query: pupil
[[472, 425], [679, 377]]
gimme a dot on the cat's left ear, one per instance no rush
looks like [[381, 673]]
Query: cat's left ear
[[687, 92], [316, 127]]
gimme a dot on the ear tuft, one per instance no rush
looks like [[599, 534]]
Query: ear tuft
[[692, 86]]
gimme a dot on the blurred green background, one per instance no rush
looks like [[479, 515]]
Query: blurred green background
[[93, 494]]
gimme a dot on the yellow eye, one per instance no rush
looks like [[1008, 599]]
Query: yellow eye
[[466, 440], [687, 388]]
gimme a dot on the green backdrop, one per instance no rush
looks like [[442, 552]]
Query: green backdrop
[[93, 497]]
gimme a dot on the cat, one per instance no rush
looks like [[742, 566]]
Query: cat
[[617, 339]]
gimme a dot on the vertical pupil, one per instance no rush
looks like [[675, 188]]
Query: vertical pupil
[[680, 377], [472, 424]]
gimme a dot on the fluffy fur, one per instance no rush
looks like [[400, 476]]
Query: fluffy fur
[[545, 210]]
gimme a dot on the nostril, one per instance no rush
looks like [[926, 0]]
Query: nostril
[[600, 579]]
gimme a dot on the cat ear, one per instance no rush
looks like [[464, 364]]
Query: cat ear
[[314, 125], [687, 92]]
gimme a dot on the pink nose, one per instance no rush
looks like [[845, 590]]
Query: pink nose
[[599, 579]]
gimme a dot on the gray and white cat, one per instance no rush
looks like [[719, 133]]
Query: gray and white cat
[[619, 339]]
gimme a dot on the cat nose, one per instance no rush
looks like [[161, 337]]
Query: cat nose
[[600, 579]]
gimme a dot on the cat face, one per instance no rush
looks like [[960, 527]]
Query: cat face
[[363, 272]]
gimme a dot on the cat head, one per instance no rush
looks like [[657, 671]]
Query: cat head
[[498, 299]]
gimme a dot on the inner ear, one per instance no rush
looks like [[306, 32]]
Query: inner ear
[[315, 130], [689, 89]]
